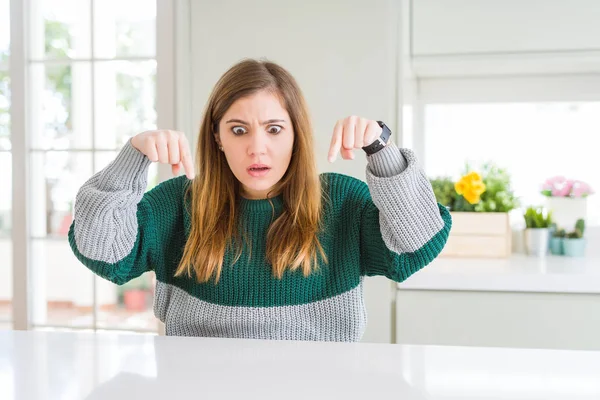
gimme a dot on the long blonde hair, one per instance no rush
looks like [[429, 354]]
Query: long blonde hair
[[292, 241]]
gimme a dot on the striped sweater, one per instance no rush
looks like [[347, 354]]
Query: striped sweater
[[391, 226]]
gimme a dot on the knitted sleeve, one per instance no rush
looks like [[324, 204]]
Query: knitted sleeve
[[403, 228], [113, 232]]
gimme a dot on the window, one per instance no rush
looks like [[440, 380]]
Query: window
[[5, 170], [533, 140], [91, 75]]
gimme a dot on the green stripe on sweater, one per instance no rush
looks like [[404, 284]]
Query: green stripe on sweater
[[351, 240]]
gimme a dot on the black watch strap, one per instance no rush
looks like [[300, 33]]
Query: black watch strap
[[381, 142]]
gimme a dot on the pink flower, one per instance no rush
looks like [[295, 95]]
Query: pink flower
[[581, 189], [560, 191], [559, 186], [553, 181], [568, 187]]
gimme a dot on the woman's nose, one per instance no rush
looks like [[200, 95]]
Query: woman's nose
[[258, 143]]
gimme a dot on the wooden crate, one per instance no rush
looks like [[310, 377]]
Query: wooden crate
[[473, 234]]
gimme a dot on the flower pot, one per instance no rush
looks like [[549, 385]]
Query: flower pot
[[556, 246], [135, 299], [567, 210], [574, 247], [480, 235], [536, 241], [65, 224]]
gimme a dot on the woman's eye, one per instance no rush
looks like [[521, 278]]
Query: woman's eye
[[238, 130], [274, 129]]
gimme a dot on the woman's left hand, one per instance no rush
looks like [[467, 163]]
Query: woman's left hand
[[352, 133]]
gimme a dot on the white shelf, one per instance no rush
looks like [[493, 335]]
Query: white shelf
[[519, 273]]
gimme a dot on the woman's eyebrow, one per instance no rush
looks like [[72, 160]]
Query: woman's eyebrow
[[267, 122]]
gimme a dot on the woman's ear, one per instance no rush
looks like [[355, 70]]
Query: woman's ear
[[218, 140]]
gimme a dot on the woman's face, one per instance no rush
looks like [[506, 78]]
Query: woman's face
[[257, 138]]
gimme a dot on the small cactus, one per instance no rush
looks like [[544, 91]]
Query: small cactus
[[559, 233], [580, 226], [579, 230]]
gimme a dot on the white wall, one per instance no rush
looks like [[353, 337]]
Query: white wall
[[344, 56], [510, 37], [454, 27]]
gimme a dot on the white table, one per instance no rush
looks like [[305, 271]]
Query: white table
[[65, 365]]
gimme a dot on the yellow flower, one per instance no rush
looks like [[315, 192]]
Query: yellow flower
[[471, 187], [473, 176], [472, 197]]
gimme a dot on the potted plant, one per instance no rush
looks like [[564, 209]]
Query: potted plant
[[574, 242], [443, 189], [556, 241], [479, 203], [136, 293], [567, 198], [537, 232], [498, 196]]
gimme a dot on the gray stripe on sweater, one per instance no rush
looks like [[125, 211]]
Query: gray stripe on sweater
[[408, 212], [106, 206], [339, 318]]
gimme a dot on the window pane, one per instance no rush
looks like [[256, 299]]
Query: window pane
[[6, 277], [534, 141], [4, 111], [56, 176], [103, 158], [128, 306], [61, 29], [125, 101], [125, 28], [5, 173], [407, 126], [5, 237], [60, 106], [61, 287], [5, 194], [4, 32]]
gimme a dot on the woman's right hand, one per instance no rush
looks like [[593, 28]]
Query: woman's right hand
[[166, 147]]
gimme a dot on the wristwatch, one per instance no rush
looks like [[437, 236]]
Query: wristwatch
[[381, 141]]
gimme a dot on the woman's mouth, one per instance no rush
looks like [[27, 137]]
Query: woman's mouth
[[258, 170]]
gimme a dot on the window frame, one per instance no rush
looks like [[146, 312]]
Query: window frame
[[166, 96], [495, 89]]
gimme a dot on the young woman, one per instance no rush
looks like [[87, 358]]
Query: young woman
[[252, 242]]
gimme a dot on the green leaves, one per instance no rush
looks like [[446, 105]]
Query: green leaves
[[560, 233], [498, 195], [443, 188], [537, 217]]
